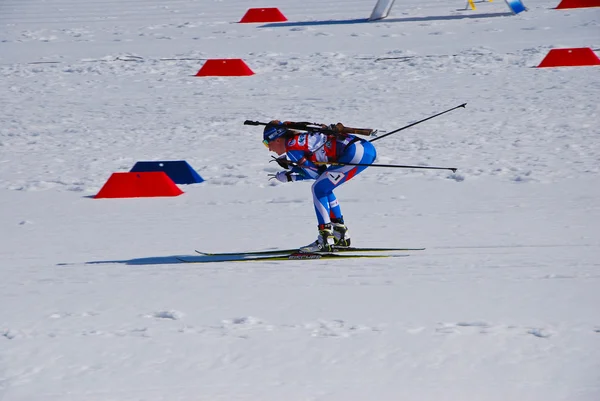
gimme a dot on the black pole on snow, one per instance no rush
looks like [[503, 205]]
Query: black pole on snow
[[453, 169], [418, 122]]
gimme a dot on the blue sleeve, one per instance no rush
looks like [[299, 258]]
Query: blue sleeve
[[308, 171]]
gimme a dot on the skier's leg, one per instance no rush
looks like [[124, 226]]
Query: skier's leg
[[358, 153], [340, 230], [335, 212], [321, 202], [325, 202], [325, 240]]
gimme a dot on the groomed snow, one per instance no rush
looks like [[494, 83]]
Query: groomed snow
[[502, 304]]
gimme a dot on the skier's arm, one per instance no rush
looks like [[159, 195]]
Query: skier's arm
[[305, 169]]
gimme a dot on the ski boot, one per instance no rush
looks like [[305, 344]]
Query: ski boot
[[341, 233], [324, 242]]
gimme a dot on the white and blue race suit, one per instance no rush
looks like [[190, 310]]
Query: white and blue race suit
[[310, 150]]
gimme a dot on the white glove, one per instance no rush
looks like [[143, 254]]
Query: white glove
[[285, 176]]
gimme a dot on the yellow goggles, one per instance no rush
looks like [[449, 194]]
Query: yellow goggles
[[266, 143]]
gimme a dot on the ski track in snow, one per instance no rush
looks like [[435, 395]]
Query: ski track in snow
[[248, 327]]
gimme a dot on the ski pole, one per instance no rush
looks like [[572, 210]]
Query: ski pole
[[418, 122], [453, 169], [286, 163]]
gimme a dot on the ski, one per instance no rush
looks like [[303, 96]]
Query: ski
[[279, 257], [294, 250]]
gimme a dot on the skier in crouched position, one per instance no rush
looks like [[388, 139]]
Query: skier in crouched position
[[314, 155]]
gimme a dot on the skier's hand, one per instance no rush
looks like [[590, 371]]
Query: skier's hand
[[339, 127], [283, 176], [282, 161]]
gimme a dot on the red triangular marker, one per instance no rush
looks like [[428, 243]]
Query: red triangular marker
[[582, 56], [228, 67], [138, 185], [254, 15], [577, 4]]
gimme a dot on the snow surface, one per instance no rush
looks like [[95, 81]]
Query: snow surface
[[502, 305]]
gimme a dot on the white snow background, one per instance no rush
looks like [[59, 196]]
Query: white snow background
[[502, 305]]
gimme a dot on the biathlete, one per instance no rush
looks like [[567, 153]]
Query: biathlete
[[314, 155]]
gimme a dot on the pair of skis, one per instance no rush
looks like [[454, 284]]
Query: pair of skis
[[296, 254]]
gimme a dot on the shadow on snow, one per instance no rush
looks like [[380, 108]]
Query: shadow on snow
[[167, 260], [386, 20]]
